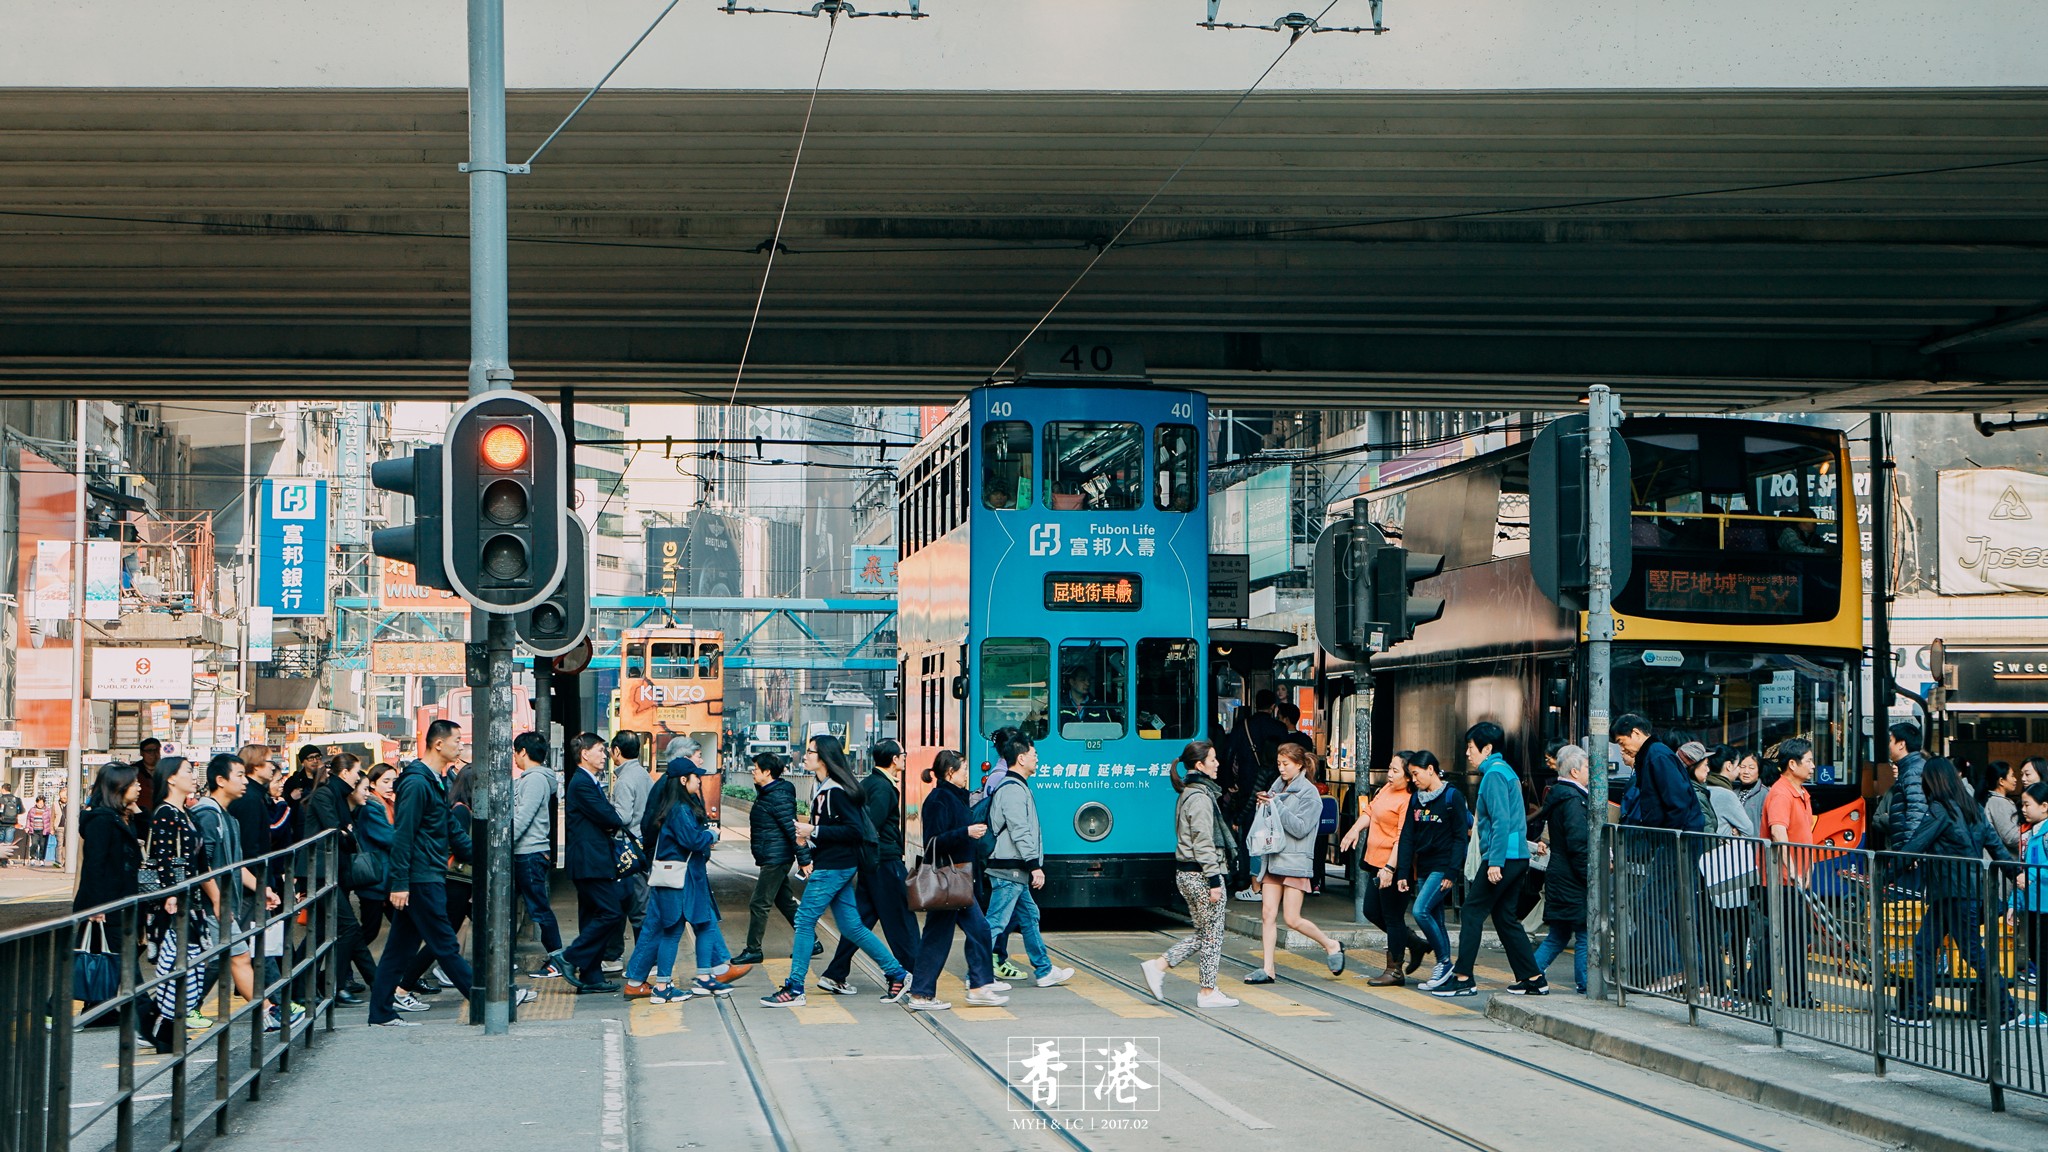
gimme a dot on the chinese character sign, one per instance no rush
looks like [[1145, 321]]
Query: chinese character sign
[[1084, 1073], [291, 565], [874, 569]]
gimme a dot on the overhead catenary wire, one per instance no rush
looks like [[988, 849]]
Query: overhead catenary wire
[[1156, 193], [789, 190]]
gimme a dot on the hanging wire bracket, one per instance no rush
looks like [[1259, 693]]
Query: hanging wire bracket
[[1295, 24], [832, 8]]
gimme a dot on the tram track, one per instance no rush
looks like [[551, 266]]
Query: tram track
[[1378, 1012], [1437, 1126], [757, 1076]]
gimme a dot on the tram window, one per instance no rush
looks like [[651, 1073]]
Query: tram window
[[1016, 686], [1168, 700], [670, 661], [636, 663], [707, 660], [1006, 465], [1093, 684], [1093, 464], [1173, 469]]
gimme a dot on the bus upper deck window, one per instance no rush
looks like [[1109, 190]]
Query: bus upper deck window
[[1173, 469], [1093, 464], [1006, 465], [707, 659]]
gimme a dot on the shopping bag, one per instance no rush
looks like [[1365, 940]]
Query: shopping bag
[[1730, 872], [1265, 837]]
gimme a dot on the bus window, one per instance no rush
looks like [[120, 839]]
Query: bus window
[[1006, 473], [1706, 493], [1093, 464], [1016, 682], [1092, 686], [1168, 700], [671, 661], [1173, 474]]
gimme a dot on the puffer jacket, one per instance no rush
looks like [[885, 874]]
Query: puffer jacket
[[1200, 840], [1946, 832], [772, 826], [1564, 881], [1300, 808]]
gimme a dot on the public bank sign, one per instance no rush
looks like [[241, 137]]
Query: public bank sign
[[1993, 531]]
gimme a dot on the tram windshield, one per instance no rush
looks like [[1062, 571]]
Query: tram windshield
[[1750, 701], [1093, 688]]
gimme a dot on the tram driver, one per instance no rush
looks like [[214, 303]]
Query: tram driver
[[1079, 703]]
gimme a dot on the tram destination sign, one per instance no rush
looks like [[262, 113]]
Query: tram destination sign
[[1734, 593], [1093, 592]]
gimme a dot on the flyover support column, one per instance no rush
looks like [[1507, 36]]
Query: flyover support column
[[490, 368]]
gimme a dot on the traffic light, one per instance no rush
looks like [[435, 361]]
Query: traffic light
[[507, 501], [1342, 575], [1558, 552], [559, 623], [1396, 607], [418, 543]]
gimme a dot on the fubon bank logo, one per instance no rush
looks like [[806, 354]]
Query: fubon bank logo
[[1045, 539], [292, 502]]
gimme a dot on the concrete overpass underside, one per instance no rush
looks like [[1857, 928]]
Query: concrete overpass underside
[[1698, 250]]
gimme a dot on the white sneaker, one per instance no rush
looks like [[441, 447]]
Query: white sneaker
[[838, 988], [1055, 977], [925, 1004], [1251, 894], [1438, 977], [988, 997], [613, 967], [406, 1003], [1213, 998], [1155, 976], [998, 985]]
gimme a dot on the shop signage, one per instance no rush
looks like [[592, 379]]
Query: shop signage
[[2003, 679], [1993, 531], [142, 674]]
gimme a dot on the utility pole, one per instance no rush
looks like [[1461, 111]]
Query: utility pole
[[74, 756], [1600, 529], [1883, 678], [490, 369]]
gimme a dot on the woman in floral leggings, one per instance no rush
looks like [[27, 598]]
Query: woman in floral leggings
[[1202, 860]]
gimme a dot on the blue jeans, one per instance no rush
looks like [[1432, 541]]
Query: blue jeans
[[938, 940], [530, 874], [834, 888], [1561, 936], [1008, 899], [661, 936], [1429, 913]]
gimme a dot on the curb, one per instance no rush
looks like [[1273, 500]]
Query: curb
[[1856, 1119]]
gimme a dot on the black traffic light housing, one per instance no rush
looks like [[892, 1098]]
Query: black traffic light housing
[[558, 624], [1394, 573], [506, 487], [1559, 557], [419, 543], [1364, 588]]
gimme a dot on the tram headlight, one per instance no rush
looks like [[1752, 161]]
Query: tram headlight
[[1093, 821]]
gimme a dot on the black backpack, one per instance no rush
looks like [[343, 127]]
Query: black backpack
[[870, 840]]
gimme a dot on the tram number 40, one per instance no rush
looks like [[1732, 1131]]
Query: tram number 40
[[1096, 358]]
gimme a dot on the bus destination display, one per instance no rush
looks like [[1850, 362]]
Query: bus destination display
[[1093, 591], [1744, 593]]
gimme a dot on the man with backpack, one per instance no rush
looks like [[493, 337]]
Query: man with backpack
[[10, 819], [1016, 863], [878, 893]]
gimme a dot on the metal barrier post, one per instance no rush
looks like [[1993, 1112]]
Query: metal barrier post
[[1880, 963], [1991, 979], [1688, 925], [1622, 920], [124, 1123], [1774, 900]]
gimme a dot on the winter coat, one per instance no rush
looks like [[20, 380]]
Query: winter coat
[[1200, 836], [1752, 798], [591, 819], [1300, 808], [839, 828], [1946, 832], [1660, 795], [772, 826], [684, 837], [1899, 816], [109, 857], [1013, 821], [372, 828], [1503, 820], [1730, 817], [1564, 814], [885, 813], [944, 817], [425, 832], [532, 795]]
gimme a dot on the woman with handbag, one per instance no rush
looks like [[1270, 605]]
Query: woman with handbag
[[1203, 853], [1295, 809], [948, 894], [110, 858], [680, 837], [176, 853]]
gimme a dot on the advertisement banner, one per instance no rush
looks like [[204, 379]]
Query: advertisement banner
[[1269, 531], [259, 639], [874, 570], [417, 657], [1993, 531], [102, 580], [399, 590], [50, 596], [47, 499], [142, 674], [668, 563], [292, 548]]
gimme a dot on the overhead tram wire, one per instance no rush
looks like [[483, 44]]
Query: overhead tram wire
[[1157, 192], [775, 241]]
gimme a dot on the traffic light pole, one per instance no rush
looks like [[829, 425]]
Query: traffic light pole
[[1600, 530], [490, 368]]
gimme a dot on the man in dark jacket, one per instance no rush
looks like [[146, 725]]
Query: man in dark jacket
[[1904, 808], [772, 827], [592, 860], [1564, 814], [328, 808], [879, 893], [1659, 797], [423, 835], [1253, 766]]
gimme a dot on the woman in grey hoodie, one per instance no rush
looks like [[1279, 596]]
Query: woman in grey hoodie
[[1299, 809]]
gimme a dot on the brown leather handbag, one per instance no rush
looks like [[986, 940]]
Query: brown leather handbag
[[938, 887]]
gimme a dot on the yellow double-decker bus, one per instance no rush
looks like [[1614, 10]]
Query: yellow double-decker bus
[[1741, 621]]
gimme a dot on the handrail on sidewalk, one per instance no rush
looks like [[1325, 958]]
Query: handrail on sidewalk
[[1907, 959], [39, 1023]]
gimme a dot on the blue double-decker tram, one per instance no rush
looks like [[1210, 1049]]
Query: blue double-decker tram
[[1054, 578]]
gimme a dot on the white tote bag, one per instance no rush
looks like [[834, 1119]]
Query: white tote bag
[[668, 874], [1265, 837], [1730, 872]]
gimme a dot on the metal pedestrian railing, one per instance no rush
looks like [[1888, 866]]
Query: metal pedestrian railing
[[1906, 959], [54, 1047]]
